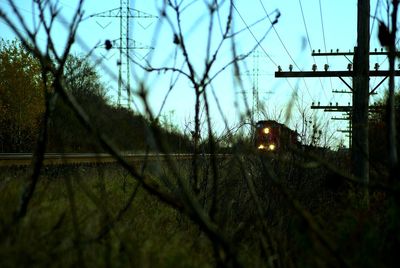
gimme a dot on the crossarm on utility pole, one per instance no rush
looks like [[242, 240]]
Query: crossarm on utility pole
[[281, 74]]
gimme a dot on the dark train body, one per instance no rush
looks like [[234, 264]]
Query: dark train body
[[271, 136]]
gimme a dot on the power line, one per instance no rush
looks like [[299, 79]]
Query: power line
[[323, 28], [309, 43], [284, 46], [277, 34], [259, 44], [323, 36], [305, 26], [255, 38]]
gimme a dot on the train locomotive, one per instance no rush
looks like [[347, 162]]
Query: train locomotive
[[271, 136]]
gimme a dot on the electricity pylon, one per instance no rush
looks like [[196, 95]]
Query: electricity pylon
[[255, 74], [124, 43]]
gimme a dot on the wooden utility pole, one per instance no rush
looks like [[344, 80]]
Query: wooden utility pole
[[358, 112], [360, 152]]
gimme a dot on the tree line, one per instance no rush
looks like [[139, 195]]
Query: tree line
[[22, 104]]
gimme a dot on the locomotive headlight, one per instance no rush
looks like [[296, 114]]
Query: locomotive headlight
[[261, 147], [271, 147], [266, 130]]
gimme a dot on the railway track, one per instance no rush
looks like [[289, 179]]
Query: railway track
[[24, 159]]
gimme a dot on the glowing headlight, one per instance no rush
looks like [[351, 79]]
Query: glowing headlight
[[271, 147], [266, 130], [261, 147]]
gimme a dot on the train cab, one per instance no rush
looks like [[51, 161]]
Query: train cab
[[267, 136], [271, 136]]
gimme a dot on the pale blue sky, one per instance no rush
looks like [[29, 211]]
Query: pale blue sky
[[339, 20]]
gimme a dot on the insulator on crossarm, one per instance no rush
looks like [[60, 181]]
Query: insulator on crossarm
[[314, 67], [337, 104], [376, 49], [312, 103], [326, 67], [349, 66], [290, 67], [337, 50], [330, 104], [319, 104], [376, 66], [348, 104], [331, 50], [279, 68], [381, 49], [319, 50]]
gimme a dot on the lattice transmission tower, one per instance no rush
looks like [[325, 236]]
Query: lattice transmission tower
[[124, 44], [255, 74]]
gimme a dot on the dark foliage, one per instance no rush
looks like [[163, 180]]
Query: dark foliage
[[22, 112], [125, 129], [378, 135]]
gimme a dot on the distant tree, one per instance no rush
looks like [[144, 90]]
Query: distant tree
[[21, 97], [83, 80]]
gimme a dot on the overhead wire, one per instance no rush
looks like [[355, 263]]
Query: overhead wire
[[253, 35], [323, 28], [309, 43], [255, 38], [257, 41], [284, 46], [310, 46], [277, 34], [324, 38], [305, 26]]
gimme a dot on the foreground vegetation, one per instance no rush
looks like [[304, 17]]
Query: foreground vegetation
[[99, 216]]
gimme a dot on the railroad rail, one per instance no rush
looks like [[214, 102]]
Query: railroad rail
[[24, 159]]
